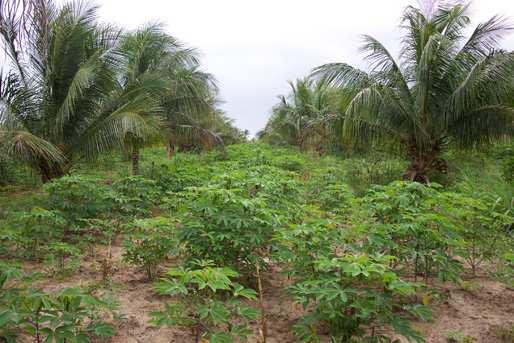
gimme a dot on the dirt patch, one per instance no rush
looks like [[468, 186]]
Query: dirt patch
[[139, 300], [473, 313]]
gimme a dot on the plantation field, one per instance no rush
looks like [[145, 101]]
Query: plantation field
[[255, 240]]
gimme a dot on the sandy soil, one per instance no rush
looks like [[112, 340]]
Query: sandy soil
[[473, 313]]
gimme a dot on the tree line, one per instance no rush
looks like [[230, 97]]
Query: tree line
[[447, 89], [75, 88]]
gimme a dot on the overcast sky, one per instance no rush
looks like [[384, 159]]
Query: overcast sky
[[254, 47]]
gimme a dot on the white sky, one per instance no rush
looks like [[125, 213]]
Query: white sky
[[254, 47]]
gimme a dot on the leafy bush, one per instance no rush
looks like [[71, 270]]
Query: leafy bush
[[226, 227], [149, 242], [31, 232], [93, 232], [482, 227], [337, 198], [10, 294], [505, 155], [352, 293], [62, 258], [209, 303], [428, 229], [278, 188], [375, 169], [80, 197], [174, 177], [459, 337], [504, 333], [300, 245], [70, 315], [135, 195], [504, 269], [289, 163], [411, 222]]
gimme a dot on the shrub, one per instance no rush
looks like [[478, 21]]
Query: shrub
[[428, 229], [459, 337], [504, 269], [376, 169], [350, 293], [278, 188], [505, 156], [32, 231], [11, 296], [481, 226], [135, 195], [62, 258], [411, 221], [504, 333], [353, 293], [175, 177], [209, 303], [149, 242], [80, 197], [93, 232], [69, 315], [300, 245], [337, 198], [226, 227], [294, 164]]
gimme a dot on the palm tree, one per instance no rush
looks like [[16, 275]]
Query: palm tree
[[301, 117], [191, 107], [145, 53], [218, 131], [224, 127], [185, 93], [444, 89], [61, 100]]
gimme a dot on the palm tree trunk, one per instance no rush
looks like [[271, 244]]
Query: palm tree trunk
[[424, 161], [417, 171], [48, 172], [135, 160], [171, 149]]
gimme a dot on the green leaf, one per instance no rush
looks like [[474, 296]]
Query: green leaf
[[220, 337], [240, 291], [249, 313], [103, 330], [219, 313]]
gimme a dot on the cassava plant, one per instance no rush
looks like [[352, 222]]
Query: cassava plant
[[227, 227], [207, 301], [67, 316], [80, 197], [413, 222], [149, 242], [62, 258], [32, 231], [355, 296]]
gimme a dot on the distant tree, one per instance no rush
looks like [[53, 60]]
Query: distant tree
[[445, 89], [307, 117], [220, 131], [158, 62]]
